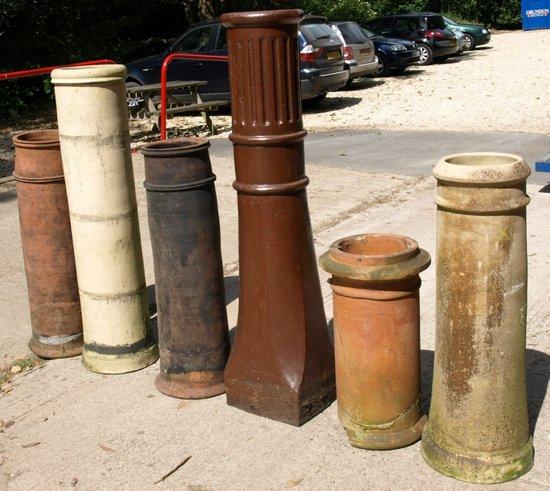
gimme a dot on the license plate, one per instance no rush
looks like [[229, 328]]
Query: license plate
[[333, 55], [364, 51]]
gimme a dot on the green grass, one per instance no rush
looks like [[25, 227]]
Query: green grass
[[27, 363]]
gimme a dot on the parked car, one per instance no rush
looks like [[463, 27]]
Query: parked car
[[475, 35], [322, 66], [359, 53], [393, 54], [434, 40], [462, 41]]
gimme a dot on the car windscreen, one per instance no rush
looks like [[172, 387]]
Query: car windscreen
[[318, 31], [435, 22], [368, 34], [351, 33], [405, 25]]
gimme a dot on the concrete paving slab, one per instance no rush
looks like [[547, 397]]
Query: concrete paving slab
[[409, 152], [118, 432]]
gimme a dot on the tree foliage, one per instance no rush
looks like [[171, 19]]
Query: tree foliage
[[37, 33]]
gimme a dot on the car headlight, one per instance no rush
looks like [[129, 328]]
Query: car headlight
[[397, 47], [484, 31]]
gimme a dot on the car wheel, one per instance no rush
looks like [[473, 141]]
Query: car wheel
[[426, 54], [470, 42], [383, 66]]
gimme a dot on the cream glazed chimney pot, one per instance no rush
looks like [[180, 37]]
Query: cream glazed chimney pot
[[95, 147]]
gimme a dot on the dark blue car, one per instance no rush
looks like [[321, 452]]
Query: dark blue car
[[322, 67], [394, 55]]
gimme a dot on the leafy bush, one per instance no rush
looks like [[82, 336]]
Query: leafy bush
[[358, 10], [36, 33]]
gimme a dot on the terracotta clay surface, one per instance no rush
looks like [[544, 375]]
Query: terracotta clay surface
[[282, 364], [47, 245], [185, 237], [95, 146], [478, 428], [375, 283]]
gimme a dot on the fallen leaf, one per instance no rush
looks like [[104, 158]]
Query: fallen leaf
[[106, 448], [15, 369], [29, 445], [182, 404], [9, 423], [74, 482], [294, 482], [149, 396]]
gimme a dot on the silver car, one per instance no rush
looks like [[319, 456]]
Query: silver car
[[463, 41], [359, 52]]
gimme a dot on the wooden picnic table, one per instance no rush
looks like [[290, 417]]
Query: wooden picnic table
[[144, 101]]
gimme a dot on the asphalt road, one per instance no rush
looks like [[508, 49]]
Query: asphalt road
[[409, 152]]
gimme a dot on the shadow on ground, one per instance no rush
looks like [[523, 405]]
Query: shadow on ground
[[333, 104], [408, 73], [6, 167], [7, 194], [363, 83], [451, 61]]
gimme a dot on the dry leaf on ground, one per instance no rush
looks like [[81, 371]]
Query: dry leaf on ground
[[29, 445], [106, 448], [294, 482]]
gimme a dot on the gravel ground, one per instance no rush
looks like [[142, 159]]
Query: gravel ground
[[502, 87], [499, 87]]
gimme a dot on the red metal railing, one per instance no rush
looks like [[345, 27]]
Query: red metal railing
[[34, 72], [164, 80]]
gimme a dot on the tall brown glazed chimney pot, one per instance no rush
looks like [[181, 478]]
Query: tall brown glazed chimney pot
[[282, 364], [47, 245]]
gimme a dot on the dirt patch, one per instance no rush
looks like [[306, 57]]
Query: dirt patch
[[16, 369]]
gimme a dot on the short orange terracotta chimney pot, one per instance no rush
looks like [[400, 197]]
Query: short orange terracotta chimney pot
[[375, 282]]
